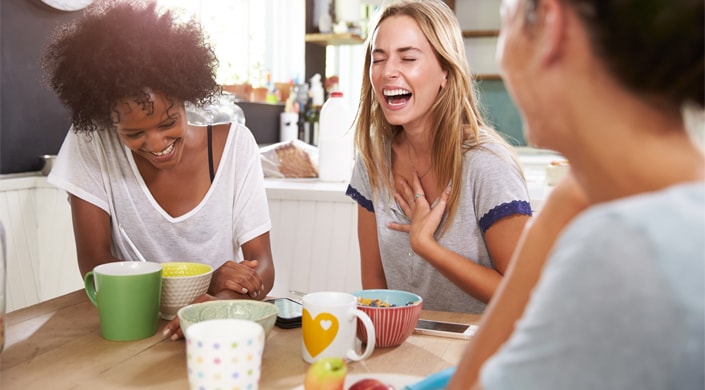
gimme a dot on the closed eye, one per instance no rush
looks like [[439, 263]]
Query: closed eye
[[378, 55], [168, 125]]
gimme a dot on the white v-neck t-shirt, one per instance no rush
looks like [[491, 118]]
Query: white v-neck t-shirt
[[99, 169]]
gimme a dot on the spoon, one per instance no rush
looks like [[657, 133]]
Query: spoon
[[299, 295], [131, 244]]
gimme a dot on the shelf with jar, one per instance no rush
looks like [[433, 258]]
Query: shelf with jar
[[487, 76], [480, 33], [334, 39]]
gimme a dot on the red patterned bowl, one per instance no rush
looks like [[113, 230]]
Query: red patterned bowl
[[394, 314]]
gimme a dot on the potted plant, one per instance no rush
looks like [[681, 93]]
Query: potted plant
[[233, 83]]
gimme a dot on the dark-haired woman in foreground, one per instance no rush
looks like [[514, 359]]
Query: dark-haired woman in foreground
[[618, 303]]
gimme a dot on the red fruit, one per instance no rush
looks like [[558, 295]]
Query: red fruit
[[370, 384]]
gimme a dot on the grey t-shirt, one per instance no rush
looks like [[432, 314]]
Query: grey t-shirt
[[492, 188], [620, 303]]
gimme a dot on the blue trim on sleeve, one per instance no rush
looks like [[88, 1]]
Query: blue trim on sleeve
[[520, 207], [361, 200]]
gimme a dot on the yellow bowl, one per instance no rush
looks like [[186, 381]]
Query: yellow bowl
[[182, 282], [180, 269]]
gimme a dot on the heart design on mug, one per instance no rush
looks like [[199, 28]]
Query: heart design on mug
[[319, 332]]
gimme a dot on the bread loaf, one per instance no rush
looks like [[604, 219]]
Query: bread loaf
[[295, 162]]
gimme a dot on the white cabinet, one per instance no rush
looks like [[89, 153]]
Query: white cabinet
[[313, 236], [58, 264], [41, 252]]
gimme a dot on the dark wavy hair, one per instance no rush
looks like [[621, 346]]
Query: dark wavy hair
[[653, 47], [120, 49]]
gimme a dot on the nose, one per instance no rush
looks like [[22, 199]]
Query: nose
[[390, 70], [155, 141]]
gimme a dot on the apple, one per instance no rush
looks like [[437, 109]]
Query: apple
[[327, 373], [370, 384]]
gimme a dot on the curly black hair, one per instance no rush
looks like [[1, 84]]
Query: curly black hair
[[120, 49]]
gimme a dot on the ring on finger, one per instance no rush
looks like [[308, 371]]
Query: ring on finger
[[418, 195]]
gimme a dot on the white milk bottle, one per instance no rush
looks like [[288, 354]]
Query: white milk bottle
[[335, 140]]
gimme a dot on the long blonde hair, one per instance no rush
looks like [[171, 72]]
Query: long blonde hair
[[459, 125]]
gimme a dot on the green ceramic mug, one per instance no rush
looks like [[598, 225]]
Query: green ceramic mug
[[127, 295]]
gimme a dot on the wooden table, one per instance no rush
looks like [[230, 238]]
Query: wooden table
[[57, 344]]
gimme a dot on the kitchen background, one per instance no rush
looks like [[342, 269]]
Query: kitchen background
[[313, 233], [260, 42]]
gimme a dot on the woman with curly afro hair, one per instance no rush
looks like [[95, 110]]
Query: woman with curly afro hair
[[181, 192]]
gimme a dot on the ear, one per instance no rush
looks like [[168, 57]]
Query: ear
[[445, 79], [553, 25]]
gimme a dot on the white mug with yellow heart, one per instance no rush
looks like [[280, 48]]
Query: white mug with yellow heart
[[329, 327]]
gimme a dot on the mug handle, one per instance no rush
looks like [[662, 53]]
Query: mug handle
[[89, 283], [370, 328]]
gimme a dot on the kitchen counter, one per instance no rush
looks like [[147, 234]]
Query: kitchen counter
[[20, 181], [306, 189]]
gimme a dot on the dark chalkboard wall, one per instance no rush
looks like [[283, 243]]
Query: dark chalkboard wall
[[32, 120]]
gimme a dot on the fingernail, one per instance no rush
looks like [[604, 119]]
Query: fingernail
[[174, 337], [243, 290], [166, 332]]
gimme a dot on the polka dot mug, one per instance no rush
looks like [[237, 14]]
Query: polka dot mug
[[224, 354]]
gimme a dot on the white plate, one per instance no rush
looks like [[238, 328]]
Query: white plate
[[396, 380]]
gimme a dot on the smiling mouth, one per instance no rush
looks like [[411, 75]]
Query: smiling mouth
[[396, 97], [164, 152]]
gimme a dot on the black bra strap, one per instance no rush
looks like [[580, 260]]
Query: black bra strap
[[210, 152]]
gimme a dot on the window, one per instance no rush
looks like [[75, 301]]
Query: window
[[252, 38]]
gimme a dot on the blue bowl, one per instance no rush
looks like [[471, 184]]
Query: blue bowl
[[395, 298]]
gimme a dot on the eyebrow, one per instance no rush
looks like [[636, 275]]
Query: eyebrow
[[404, 49]]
